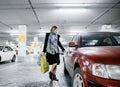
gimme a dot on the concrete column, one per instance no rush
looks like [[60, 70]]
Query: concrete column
[[35, 45], [22, 42]]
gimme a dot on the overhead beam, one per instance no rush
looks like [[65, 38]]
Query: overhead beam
[[97, 18], [34, 12], [6, 25]]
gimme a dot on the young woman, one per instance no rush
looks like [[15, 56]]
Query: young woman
[[51, 49]]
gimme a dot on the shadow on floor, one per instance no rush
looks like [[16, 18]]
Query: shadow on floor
[[67, 83], [5, 62], [68, 80]]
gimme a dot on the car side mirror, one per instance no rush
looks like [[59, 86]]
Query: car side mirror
[[71, 44]]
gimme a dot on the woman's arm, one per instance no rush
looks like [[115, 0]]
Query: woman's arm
[[60, 45], [45, 42]]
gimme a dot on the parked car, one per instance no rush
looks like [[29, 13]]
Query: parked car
[[7, 53], [93, 59]]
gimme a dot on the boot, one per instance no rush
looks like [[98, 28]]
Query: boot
[[51, 75], [54, 78]]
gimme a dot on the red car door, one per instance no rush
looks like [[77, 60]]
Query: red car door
[[70, 54]]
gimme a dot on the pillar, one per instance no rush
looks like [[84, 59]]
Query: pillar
[[22, 42]]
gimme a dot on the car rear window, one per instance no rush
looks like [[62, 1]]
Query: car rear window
[[100, 39]]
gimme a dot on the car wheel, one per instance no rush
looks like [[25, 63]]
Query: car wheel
[[13, 59], [77, 78]]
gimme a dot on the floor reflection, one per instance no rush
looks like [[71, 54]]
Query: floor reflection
[[26, 73]]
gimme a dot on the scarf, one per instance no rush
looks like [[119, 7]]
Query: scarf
[[52, 46]]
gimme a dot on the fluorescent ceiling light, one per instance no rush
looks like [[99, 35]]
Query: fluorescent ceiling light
[[107, 28], [14, 34], [13, 31], [73, 10], [72, 5], [42, 34], [7, 42], [43, 30]]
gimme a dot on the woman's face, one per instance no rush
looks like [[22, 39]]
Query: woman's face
[[55, 31]]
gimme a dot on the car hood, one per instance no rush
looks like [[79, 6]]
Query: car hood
[[106, 54]]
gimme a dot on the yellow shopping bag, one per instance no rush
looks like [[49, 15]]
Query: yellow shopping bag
[[44, 64]]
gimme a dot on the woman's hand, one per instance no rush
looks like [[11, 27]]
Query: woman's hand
[[42, 53], [64, 51]]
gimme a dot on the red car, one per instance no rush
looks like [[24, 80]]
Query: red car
[[93, 59]]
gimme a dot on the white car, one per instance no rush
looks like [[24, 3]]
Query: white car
[[7, 53]]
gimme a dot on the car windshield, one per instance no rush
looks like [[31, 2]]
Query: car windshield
[[100, 39], [1, 47]]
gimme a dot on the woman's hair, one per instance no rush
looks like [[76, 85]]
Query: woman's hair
[[53, 28]]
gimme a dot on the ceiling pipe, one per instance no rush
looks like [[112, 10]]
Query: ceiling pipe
[[6, 25], [97, 18], [33, 9]]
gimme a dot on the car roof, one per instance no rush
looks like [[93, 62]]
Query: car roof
[[98, 33]]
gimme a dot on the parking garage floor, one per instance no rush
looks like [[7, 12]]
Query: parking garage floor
[[27, 74]]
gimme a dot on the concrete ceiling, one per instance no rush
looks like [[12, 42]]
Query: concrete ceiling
[[70, 16]]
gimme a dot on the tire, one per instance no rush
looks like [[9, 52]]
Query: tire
[[13, 58], [77, 78]]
